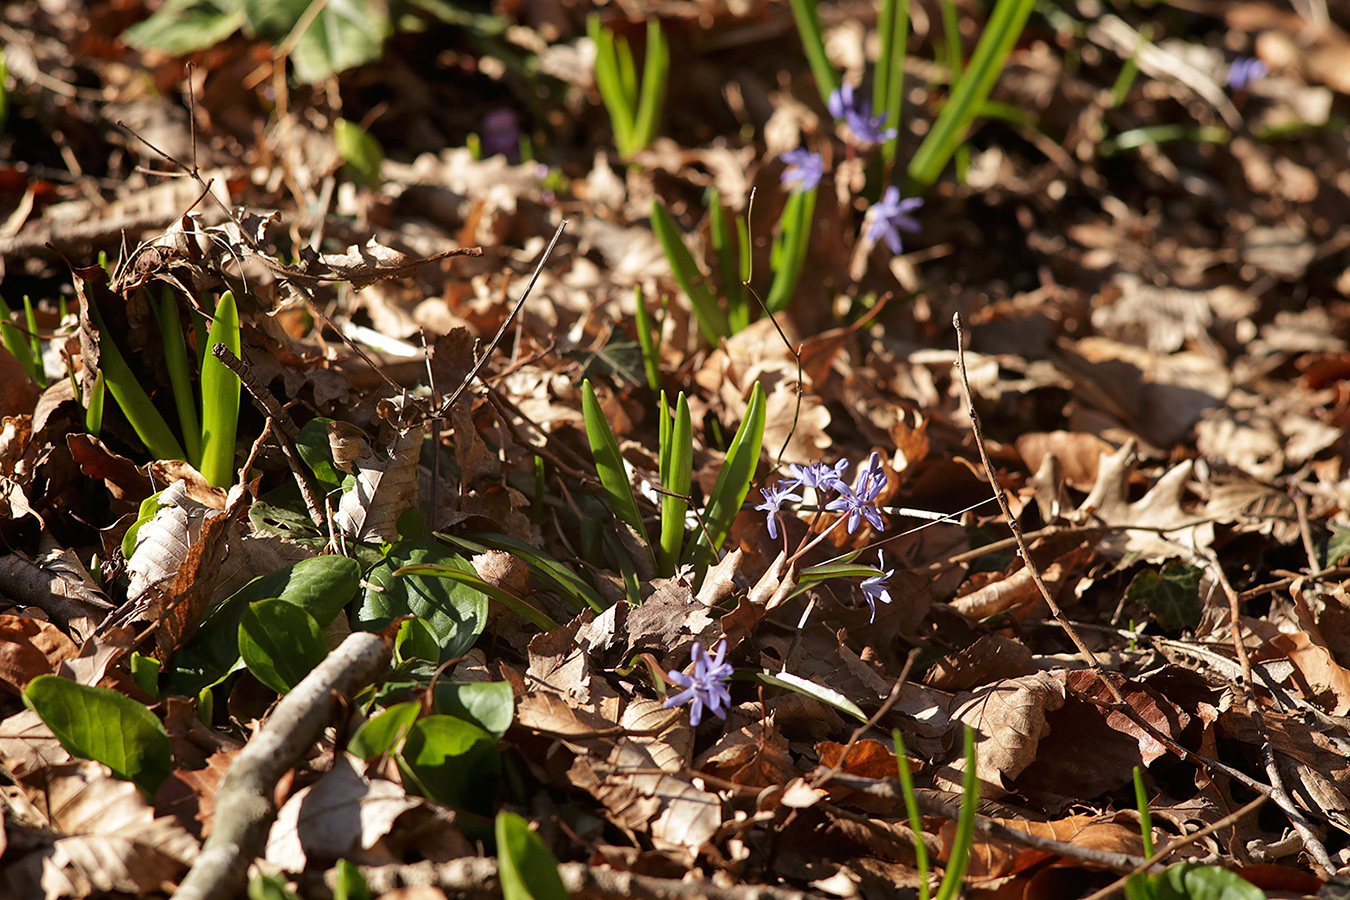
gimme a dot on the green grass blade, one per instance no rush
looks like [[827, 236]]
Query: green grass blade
[[628, 83], [609, 464], [711, 320], [542, 566], [733, 482], [472, 579], [220, 397], [180, 373], [93, 411], [968, 96], [655, 75], [609, 82], [965, 825], [813, 42], [889, 88], [135, 403], [789, 250], [649, 339], [677, 455], [14, 341], [34, 342], [727, 250], [915, 816], [1145, 819]]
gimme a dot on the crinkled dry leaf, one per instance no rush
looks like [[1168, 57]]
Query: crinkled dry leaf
[[383, 491], [1009, 718], [28, 648]]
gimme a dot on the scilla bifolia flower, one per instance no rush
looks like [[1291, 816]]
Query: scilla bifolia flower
[[874, 588], [804, 170], [773, 499], [866, 128], [890, 216], [704, 687]]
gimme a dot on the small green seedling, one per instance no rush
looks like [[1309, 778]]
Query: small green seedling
[[634, 109]]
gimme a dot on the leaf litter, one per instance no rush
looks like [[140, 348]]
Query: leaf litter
[[1157, 355]]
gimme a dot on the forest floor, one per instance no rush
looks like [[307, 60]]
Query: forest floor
[[448, 283]]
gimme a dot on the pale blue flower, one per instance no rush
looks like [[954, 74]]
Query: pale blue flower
[[857, 500], [773, 499], [890, 216], [874, 587], [866, 128], [820, 476], [1244, 70], [804, 170], [705, 686]]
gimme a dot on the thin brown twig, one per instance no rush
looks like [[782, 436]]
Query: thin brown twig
[[1022, 548]]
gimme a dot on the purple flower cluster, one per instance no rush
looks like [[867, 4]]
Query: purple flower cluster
[[704, 687], [866, 128], [804, 170]]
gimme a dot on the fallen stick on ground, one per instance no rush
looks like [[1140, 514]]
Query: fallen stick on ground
[[245, 805]]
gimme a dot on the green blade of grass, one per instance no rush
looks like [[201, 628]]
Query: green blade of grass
[[93, 411], [135, 403], [180, 373], [14, 341], [220, 397], [542, 566], [649, 339], [813, 43], [733, 482], [1145, 819], [510, 601], [959, 858], [789, 250], [609, 464], [34, 342], [729, 262], [678, 455], [968, 96], [655, 73], [711, 320], [889, 87], [609, 82]]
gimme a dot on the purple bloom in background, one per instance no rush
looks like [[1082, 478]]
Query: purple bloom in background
[[804, 170], [871, 478], [874, 588], [1244, 70], [773, 499], [890, 216], [820, 476], [501, 134], [705, 686], [857, 115]]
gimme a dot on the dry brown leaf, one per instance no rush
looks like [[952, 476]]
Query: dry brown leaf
[[29, 648], [384, 489], [1009, 718], [992, 858], [1320, 678], [27, 745], [1077, 453]]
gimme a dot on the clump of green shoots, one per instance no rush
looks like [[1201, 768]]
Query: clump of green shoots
[[634, 107]]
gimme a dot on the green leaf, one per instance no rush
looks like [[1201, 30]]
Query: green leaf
[[789, 249], [362, 153], [711, 320], [180, 373], [515, 604], [149, 507], [889, 81], [1338, 547], [452, 762], [280, 643], [455, 612], [609, 463], [321, 586], [959, 855], [610, 82], [649, 338], [382, 732], [145, 672], [526, 868], [317, 453], [270, 887], [733, 482], [1172, 595], [968, 96], [344, 34], [825, 695], [1192, 881], [350, 883], [655, 71], [813, 42], [415, 640], [677, 455], [220, 397], [181, 26], [103, 725], [491, 705]]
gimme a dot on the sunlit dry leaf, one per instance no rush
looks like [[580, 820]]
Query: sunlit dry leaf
[[1320, 677], [991, 858], [384, 489], [1010, 719], [28, 648]]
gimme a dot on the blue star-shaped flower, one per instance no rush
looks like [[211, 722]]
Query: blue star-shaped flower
[[773, 499], [874, 588], [890, 216], [704, 687], [804, 170], [866, 128]]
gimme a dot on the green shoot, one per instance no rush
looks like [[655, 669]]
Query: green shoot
[[135, 403], [610, 466], [912, 807], [1145, 819], [649, 339], [968, 95], [965, 825], [789, 248], [889, 87], [180, 373], [677, 466], [634, 109], [220, 397], [813, 42], [711, 320], [733, 482]]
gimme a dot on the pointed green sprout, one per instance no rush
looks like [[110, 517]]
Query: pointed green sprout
[[733, 483], [649, 339], [27, 352], [813, 42], [180, 372], [220, 397], [677, 466], [969, 94], [610, 466], [888, 89], [711, 320], [789, 248]]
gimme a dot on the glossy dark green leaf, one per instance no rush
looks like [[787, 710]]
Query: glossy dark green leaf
[[182, 26], [453, 762], [415, 640], [489, 704], [1172, 594], [317, 453], [455, 612], [1192, 881], [382, 732], [527, 869], [280, 643], [103, 725]]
